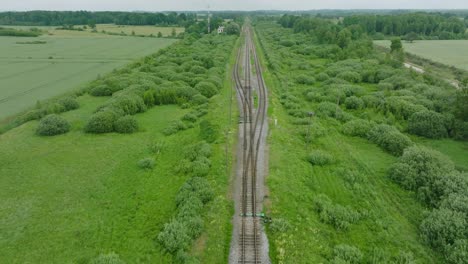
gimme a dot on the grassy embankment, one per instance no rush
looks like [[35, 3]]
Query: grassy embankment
[[356, 181]]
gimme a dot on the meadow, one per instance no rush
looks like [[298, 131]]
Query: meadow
[[330, 194], [448, 52], [35, 72], [87, 195]]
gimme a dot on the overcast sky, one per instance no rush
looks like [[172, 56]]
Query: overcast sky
[[163, 5]]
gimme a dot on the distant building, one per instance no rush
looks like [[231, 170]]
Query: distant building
[[221, 30]]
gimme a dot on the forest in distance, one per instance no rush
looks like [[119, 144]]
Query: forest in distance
[[138, 160]]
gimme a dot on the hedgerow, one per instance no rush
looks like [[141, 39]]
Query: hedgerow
[[178, 234], [389, 138]]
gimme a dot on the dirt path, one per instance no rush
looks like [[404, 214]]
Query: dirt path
[[249, 243], [419, 69]]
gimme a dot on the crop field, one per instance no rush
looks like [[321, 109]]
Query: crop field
[[73, 197], [449, 52], [139, 30], [32, 72], [330, 190], [108, 28]]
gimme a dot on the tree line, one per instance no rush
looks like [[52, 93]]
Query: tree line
[[424, 24], [59, 18]]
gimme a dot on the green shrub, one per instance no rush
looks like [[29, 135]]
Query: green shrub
[[157, 147], [199, 99], [194, 226], [458, 252], [443, 227], [110, 258], [198, 70], [174, 127], [347, 254], [328, 109], [357, 127], [321, 77], [208, 131], [69, 103], [287, 43], [52, 125], [389, 138], [320, 158], [428, 172], [354, 102], [126, 125], [427, 124], [458, 200], [102, 122], [201, 149], [190, 117], [336, 215], [146, 163], [350, 76], [129, 102], [195, 188], [207, 89], [174, 237], [304, 79], [372, 101]]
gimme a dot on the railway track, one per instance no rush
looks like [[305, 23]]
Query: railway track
[[252, 119]]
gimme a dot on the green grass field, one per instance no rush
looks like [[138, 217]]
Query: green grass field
[[32, 72], [449, 52], [69, 198]]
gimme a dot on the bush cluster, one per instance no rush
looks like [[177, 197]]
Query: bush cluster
[[389, 138], [179, 233], [358, 127], [437, 184], [187, 74], [126, 125], [354, 102], [52, 125], [196, 160], [350, 76], [304, 79], [56, 106], [338, 216], [208, 131], [428, 124]]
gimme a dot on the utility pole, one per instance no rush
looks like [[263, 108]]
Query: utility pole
[[209, 20]]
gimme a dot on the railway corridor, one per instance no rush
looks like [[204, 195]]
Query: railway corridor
[[249, 243]]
